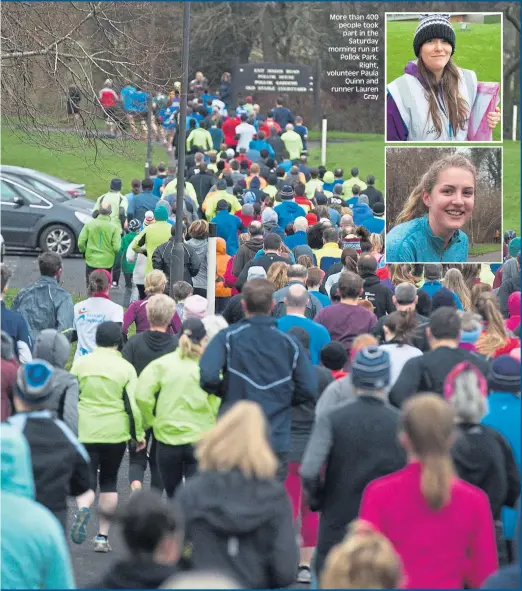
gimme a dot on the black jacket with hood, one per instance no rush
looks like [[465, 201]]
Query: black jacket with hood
[[136, 573], [53, 347], [241, 528], [147, 346], [378, 294], [246, 253], [484, 458], [162, 255]]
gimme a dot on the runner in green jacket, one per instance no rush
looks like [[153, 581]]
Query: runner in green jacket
[[108, 418], [99, 241], [173, 404]]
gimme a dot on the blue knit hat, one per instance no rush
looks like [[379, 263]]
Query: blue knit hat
[[34, 382], [504, 375], [371, 369], [161, 214]]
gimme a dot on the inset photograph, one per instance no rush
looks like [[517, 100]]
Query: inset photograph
[[443, 76], [443, 205]]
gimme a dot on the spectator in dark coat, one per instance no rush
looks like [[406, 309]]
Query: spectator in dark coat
[[428, 372], [362, 428], [238, 520], [374, 196], [507, 288], [248, 251], [481, 455], [202, 180], [162, 255], [373, 290], [253, 360]]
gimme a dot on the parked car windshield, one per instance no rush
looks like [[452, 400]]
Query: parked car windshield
[[46, 190]]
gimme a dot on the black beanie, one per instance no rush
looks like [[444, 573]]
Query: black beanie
[[433, 26]]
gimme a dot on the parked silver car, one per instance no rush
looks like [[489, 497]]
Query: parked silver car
[[32, 220], [43, 182]]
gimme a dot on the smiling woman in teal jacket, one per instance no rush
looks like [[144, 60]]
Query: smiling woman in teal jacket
[[428, 229]]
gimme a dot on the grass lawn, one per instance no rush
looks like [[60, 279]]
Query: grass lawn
[[80, 161], [511, 179], [96, 166], [366, 155], [469, 51], [479, 249]]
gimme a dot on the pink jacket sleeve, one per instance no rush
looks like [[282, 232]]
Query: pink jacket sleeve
[[483, 560], [230, 279]]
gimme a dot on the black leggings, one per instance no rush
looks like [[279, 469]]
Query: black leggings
[[174, 462], [107, 457], [141, 291], [138, 463]]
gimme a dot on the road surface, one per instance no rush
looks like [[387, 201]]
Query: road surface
[[88, 565], [25, 271]]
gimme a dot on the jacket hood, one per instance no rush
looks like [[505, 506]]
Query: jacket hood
[[229, 502], [412, 69], [157, 341], [470, 454], [221, 246], [290, 206], [53, 347], [362, 210], [17, 471], [255, 243], [138, 573], [514, 304], [370, 279]]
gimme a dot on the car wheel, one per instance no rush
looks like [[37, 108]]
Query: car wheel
[[58, 239]]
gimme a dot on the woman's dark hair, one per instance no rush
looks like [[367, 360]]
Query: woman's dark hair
[[403, 325], [145, 520], [314, 236], [98, 282], [458, 108], [349, 258], [221, 165], [289, 229]]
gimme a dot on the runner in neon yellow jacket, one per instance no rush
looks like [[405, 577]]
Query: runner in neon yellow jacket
[[107, 409], [172, 402]]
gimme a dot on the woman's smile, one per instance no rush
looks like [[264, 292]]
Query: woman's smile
[[451, 201]]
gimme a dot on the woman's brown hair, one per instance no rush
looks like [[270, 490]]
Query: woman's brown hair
[[414, 206], [429, 423], [365, 559], [306, 261], [402, 324], [477, 290], [402, 274], [98, 282], [494, 335], [199, 229], [458, 109], [454, 281], [278, 275], [238, 441]]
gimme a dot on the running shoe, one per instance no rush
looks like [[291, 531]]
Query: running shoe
[[79, 526], [304, 575], [101, 544]]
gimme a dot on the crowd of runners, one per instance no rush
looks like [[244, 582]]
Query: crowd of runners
[[326, 419]]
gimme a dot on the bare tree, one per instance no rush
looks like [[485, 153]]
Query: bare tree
[[47, 48]]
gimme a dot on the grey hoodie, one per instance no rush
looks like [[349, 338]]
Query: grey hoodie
[[54, 348]]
